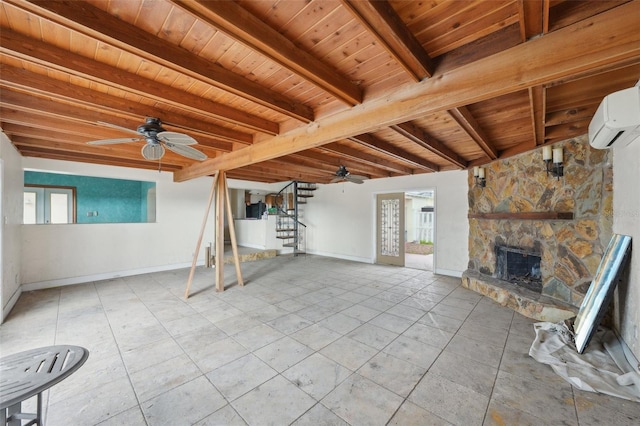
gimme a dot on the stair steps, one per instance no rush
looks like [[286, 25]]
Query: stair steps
[[289, 227]]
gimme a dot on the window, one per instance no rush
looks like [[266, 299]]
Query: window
[[93, 200], [49, 204]]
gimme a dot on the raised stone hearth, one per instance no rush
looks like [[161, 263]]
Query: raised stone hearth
[[526, 302]]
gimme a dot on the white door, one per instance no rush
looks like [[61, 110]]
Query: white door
[[390, 229]]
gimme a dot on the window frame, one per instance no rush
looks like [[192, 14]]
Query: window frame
[[49, 189]]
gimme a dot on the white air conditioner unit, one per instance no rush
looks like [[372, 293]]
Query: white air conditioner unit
[[617, 120]]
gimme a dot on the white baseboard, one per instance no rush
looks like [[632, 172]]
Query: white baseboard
[[254, 246], [341, 256], [10, 304], [448, 272], [41, 285]]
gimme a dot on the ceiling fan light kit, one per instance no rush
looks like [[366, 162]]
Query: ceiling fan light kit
[[152, 151], [156, 138]]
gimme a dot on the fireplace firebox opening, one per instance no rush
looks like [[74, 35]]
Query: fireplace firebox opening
[[519, 266]]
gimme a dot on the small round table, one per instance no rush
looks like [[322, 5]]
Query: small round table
[[28, 373]]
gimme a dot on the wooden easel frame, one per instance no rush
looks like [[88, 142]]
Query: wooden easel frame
[[219, 191]]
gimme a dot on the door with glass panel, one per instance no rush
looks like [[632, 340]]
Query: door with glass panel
[[49, 205], [390, 229]]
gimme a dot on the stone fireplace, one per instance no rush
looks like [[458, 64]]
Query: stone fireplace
[[552, 231]]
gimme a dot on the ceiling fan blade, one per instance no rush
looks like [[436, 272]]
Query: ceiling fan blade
[[186, 151], [176, 138], [337, 179], [114, 141], [153, 151], [354, 179], [115, 126], [357, 177]]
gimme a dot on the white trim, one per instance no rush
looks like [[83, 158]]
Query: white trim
[[118, 274], [11, 303], [448, 272], [105, 276], [340, 256], [255, 246]]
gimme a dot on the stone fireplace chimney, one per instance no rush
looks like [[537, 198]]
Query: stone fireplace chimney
[[558, 227]]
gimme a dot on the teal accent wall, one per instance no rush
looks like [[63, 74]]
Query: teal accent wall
[[115, 200]]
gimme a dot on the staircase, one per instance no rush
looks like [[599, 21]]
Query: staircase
[[290, 202]]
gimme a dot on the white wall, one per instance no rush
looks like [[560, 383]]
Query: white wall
[[626, 220], [341, 218], [66, 254], [11, 184]]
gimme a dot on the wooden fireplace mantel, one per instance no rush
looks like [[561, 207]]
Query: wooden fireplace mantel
[[523, 215]]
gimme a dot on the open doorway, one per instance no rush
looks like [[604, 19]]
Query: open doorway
[[420, 229]]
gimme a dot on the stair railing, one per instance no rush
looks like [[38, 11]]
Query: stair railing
[[284, 210]]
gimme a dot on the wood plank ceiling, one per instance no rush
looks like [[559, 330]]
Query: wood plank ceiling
[[277, 90]]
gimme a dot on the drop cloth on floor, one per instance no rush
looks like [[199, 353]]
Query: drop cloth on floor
[[602, 367]]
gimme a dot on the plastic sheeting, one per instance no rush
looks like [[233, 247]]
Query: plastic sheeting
[[603, 367]]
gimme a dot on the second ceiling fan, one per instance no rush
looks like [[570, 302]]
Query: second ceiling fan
[[342, 174]]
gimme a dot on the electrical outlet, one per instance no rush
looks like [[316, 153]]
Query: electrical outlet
[[17, 278]]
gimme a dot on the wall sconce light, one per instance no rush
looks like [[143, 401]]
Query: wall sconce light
[[553, 161], [479, 176]]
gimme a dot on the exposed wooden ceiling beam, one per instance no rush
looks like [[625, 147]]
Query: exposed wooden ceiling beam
[[354, 163], [565, 12], [331, 161], [12, 129], [383, 22], [591, 44], [238, 174], [251, 31], [289, 166], [386, 148], [22, 47], [465, 119], [372, 160], [566, 130], [292, 166], [420, 137], [537, 100], [577, 113], [546, 9], [37, 120], [98, 159], [258, 172], [277, 171], [533, 16], [88, 19], [318, 162], [72, 113], [115, 152], [43, 85]]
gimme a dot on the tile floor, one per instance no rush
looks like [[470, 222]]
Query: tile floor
[[307, 341]]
